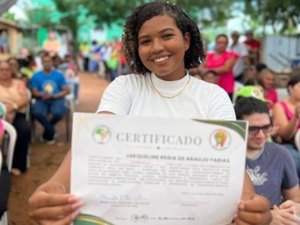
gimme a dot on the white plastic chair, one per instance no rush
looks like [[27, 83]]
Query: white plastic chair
[[2, 110], [10, 148], [297, 140], [11, 131]]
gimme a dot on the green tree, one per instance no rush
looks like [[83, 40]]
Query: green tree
[[283, 16], [82, 15]]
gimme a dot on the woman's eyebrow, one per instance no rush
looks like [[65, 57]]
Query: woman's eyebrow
[[161, 31]]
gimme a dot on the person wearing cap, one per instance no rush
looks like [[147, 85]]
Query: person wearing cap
[[253, 91], [243, 61], [253, 46], [269, 165]]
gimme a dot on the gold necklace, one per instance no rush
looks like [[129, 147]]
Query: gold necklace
[[172, 96]]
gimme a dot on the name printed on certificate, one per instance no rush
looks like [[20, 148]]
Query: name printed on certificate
[[157, 171]]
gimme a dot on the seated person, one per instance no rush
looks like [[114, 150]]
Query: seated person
[[28, 69], [269, 165], [210, 76], [286, 114], [14, 95], [268, 80], [49, 88]]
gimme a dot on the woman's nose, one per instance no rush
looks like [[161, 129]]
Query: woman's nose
[[157, 46]]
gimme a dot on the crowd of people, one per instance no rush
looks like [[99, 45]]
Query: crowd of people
[[173, 77], [106, 59]]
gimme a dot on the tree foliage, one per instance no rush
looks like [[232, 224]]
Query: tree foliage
[[281, 15]]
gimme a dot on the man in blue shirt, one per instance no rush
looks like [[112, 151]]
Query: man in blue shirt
[[49, 88], [269, 165]]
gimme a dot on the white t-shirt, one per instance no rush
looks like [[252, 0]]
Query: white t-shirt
[[135, 95], [242, 51]]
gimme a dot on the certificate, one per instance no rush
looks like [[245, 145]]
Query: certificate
[[157, 171]]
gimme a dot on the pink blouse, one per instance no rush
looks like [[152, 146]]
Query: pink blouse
[[1, 127], [289, 114], [226, 80], [271, 96]]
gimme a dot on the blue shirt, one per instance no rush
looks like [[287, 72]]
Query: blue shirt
[[51, 83], [272, 171]]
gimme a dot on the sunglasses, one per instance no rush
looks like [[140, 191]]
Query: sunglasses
[[254, 130]]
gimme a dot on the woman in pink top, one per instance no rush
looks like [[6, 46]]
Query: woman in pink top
[[286, 115], [287, 112], [221, 62]]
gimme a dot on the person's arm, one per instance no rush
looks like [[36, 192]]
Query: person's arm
[[226, 67], [64, 91], [39, 95], [286, 213], [34, 87], [13, 105], [253, 208], [62, 84], [286, 128], [52, 203], [198, 70], [24, 94], [292, 194]]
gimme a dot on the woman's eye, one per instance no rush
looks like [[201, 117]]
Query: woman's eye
[[166, 36], [144, 42]]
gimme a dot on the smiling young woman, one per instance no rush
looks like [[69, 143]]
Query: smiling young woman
[[157, 42]]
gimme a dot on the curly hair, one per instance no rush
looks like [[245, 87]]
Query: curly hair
[[192, 56]]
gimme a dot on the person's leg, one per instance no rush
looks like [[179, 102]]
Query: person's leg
[[57, 110], [76, 90], [22, 142], [86, 64], [4, 189], [39, 111], [296, 157], [93, 66]]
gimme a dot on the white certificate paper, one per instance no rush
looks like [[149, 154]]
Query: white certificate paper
[[157, 171]]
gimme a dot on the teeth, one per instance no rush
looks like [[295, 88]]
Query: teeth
[[161, 59]]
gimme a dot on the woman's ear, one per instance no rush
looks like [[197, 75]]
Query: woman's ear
[[187, 40]]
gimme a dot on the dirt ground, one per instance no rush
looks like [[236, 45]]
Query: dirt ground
[[45, 159]]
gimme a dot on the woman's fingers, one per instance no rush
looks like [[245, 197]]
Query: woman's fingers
[[43, 199], [55, 212], [51, 203]]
